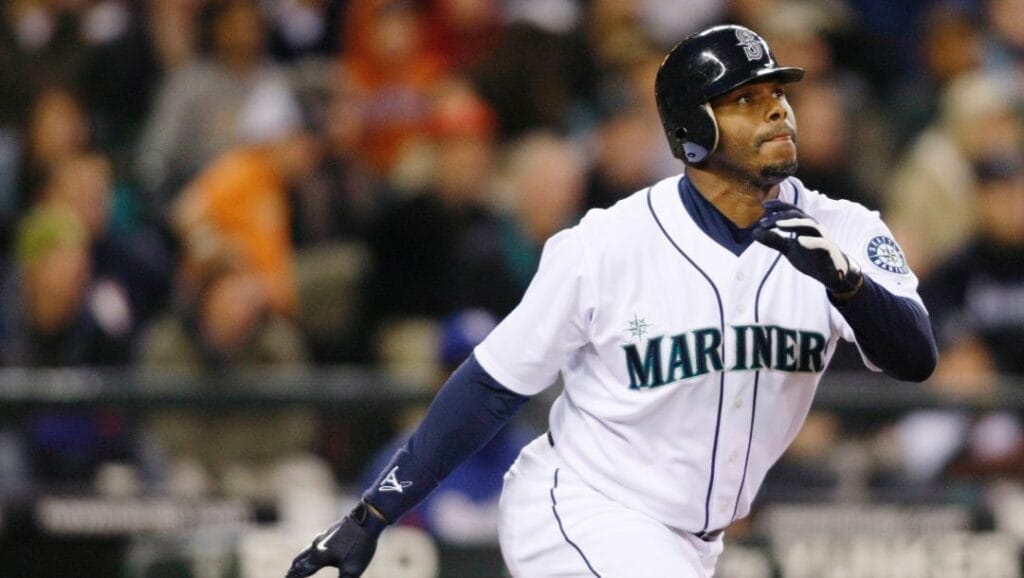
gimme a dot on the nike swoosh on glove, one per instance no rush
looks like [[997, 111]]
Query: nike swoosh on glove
[[807, 246], [348, 545]]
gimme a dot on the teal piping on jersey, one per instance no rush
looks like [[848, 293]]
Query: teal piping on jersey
[[721, 380]]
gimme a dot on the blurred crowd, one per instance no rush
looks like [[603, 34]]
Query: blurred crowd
[[223, 184]]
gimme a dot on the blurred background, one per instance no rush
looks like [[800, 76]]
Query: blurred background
[[242, 242]]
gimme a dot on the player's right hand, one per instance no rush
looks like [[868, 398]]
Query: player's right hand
[[808, 246], [348, 545]]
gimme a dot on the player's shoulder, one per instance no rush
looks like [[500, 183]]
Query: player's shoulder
[[832, 212], [633, 209]]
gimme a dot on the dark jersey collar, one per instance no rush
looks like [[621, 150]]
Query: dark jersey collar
[[712, 221]]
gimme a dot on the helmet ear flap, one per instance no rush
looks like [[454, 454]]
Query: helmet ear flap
[[700, 138]]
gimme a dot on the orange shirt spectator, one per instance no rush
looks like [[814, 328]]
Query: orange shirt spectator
[[236, 215]]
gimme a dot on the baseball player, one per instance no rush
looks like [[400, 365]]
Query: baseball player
[[690, 324]]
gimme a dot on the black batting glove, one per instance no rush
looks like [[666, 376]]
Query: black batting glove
[[808, 248], [348, 545]]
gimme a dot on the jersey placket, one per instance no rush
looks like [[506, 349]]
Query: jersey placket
[[740, 387]]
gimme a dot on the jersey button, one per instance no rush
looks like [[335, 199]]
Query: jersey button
[[737, 403], [739, 276]]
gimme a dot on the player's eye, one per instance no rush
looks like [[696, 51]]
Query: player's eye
[[779, 92], [744, 99]]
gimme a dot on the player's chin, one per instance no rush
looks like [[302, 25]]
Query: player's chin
[[776, 172]]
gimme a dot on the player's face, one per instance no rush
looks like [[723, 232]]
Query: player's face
[[757, 134]]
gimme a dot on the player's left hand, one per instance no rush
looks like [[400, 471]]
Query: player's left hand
[[809, 248], [348, 545]]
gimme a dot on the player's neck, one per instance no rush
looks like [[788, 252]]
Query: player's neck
[[739, 201]]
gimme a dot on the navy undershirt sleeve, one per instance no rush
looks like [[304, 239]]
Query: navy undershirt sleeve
[[467, 412], [893, 332]]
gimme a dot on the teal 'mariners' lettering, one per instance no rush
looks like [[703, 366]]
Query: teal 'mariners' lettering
[[699, 352], [778, 348], [646, 373], [709, 343], [812, 352], [755, 351], [680, 359], [785, 349]]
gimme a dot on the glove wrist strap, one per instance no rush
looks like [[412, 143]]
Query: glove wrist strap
[[850, 282], [369, 518]]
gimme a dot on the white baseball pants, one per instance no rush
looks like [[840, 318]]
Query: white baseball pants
[[553, 525]]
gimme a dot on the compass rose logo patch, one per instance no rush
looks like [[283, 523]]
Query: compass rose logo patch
[[884, 253]]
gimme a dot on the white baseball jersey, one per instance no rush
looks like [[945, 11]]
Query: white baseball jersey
[[688, 369]]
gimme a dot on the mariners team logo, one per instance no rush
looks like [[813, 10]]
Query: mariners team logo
[[751, 44], [887, 255]]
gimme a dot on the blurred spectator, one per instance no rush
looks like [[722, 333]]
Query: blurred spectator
[[828, 141], [304, 28], [976, 301], [826, 36], [174, 29], [464, 508], [616, 34], [1005, 46], [552, 16], [205, 108], [343, 198], [464, 32], [534, 77], [751, 13], [429, 249], [132, 268], [950, 46], [546, 179], [884, 38], [96, 46], [56, 314], [119, 70], [234, 293], [236, 214], [57, 129], [798, 33], [39, 45], [221, 322], [976, 298], [930, 201], [667, 25], [391, 71], [225, 324], [627, 143]]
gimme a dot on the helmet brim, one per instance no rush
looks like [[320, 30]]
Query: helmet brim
[[786, 74]]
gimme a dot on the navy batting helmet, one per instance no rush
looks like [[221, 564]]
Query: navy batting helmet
[[708, 64]]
